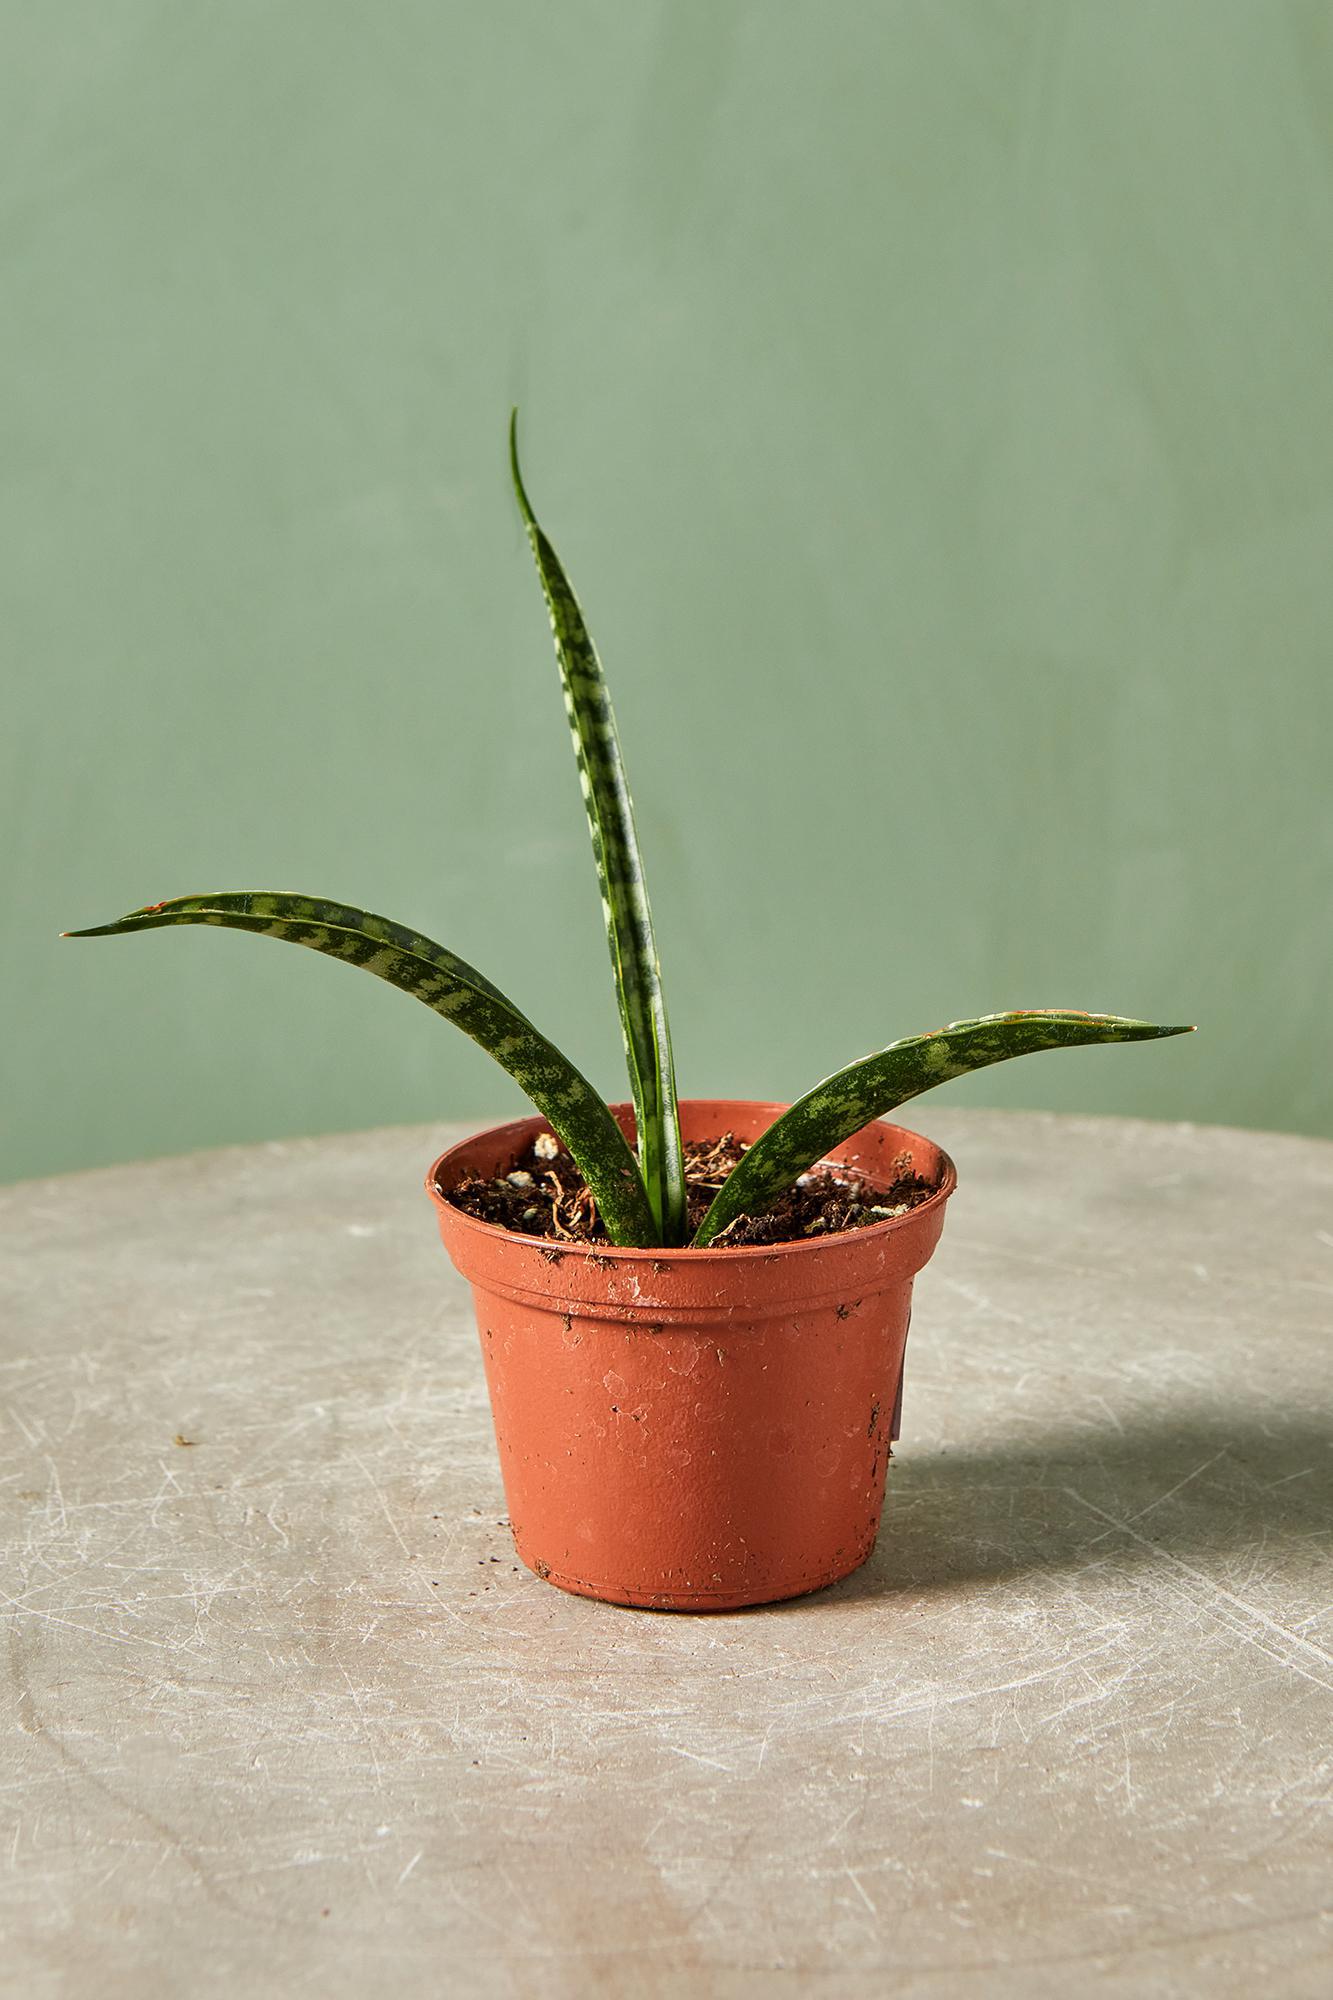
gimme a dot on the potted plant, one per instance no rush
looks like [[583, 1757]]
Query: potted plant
[[692, 1314]]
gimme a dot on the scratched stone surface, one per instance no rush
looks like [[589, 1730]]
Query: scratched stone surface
[[283, 1716]]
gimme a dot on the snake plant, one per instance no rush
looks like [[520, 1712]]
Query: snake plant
[[640, 1193]]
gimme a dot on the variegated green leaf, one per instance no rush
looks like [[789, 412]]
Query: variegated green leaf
[[842, 1104], [458, 992], [629, 923]]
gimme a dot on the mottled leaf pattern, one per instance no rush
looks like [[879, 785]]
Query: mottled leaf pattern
[[629, 923], [842, 1104], [641, 1203], [462, 995]]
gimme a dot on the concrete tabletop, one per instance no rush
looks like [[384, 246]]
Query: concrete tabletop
[[284, 1716]]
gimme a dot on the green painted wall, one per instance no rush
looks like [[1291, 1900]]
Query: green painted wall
[[934, 405]]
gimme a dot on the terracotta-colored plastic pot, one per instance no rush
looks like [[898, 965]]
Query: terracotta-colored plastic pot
[[694, 1430]]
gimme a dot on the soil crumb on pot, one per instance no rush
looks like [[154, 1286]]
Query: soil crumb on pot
[[544, 1194]]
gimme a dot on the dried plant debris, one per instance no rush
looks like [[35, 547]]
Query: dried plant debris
[[544, 1194]]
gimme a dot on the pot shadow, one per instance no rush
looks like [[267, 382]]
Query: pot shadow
[[1189, 1486]]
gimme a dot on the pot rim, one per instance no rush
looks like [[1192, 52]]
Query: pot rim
[[600, 1254]]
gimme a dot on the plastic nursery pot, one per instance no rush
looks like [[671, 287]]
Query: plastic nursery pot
[[695, 1430]]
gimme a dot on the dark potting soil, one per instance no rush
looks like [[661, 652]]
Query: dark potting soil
[[544, 1194]]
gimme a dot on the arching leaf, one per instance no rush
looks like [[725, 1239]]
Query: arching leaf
[[873, 1087], [458, 992]]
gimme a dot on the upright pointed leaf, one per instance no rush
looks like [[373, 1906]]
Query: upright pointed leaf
[[458, 992], [843, 1103], [629, 923]]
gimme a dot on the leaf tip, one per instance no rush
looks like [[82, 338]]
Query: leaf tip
[[520, 491]]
